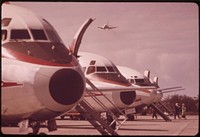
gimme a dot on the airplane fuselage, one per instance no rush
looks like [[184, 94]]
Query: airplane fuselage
[[41, 78]]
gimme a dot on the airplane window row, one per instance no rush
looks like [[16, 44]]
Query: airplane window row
[[92, 69]]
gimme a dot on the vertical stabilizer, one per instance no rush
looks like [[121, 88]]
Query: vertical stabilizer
[[155, 80], [147, 73]]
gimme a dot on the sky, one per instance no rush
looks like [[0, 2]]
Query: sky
[[162, 37]]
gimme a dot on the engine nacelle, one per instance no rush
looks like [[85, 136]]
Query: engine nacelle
[[61, 91], [123, 99]]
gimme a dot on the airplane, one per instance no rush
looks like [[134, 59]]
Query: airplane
[[144, 98], [113, 86], [106, 26], [41, 77]]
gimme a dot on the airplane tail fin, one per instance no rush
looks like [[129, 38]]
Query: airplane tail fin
[[147, 73], [78, 37], [155, 81]]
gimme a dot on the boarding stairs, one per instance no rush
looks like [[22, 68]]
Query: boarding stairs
[[159, 107], [166, 107], [94, 117]]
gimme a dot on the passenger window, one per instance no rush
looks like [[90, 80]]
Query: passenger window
[[3, 35], [38, 34], [20, 34], [91, 69], [101, 69]]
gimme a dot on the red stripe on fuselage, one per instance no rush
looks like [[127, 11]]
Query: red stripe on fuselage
[[111, 81], [30, 59], [10, 84], [145, 90], [94, 94]]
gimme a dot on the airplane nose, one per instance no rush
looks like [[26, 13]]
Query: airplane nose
[[66, 86], [153, 93], [59, 89]]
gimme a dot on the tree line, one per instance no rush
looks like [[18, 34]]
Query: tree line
[[191, 103]]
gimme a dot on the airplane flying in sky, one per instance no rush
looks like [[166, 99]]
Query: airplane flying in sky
[[106, 26], [41, 77]]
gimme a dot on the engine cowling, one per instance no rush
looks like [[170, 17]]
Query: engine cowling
[[59, 89], [123, 99]]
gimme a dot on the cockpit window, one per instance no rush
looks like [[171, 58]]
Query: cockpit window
[[101, 69], [52, 34], [3, 35], [139, 81], [38, 34], [91, 69], [110, 69], [19, 34], [5, 22], [92, 62]]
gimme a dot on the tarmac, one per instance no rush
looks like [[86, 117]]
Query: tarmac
[[142, 126]]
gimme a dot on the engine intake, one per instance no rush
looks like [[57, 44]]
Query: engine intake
[[59, 89], [124, 99]]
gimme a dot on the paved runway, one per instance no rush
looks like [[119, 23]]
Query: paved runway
[[143, 125]]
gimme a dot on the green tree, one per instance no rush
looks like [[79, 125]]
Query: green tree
[[190, 102]]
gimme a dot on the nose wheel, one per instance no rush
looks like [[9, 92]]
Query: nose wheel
[[36, 125]]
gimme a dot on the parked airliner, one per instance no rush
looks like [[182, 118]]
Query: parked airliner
[[41, 77]]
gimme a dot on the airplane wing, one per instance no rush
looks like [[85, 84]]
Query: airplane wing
[[112, 27], [100, 27], [170, 88], [78, 37], [162, 89], [167, 91], [118, 89]]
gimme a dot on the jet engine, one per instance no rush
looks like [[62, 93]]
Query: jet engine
[[61, 90], [123, 99]]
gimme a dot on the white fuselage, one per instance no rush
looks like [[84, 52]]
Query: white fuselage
[[41, 79]]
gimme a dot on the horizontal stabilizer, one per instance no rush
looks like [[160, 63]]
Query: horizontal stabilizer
[[147, 73], [167, 91], [162, 89]]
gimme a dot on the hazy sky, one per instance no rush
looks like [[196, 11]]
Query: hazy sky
[[161, 37]]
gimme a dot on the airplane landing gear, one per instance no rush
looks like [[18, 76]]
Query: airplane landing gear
[[36, 125], [131, 117], [110, 120]]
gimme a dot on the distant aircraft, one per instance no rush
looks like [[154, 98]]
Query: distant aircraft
[[38, 71], [145, 97], [106, 26]]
